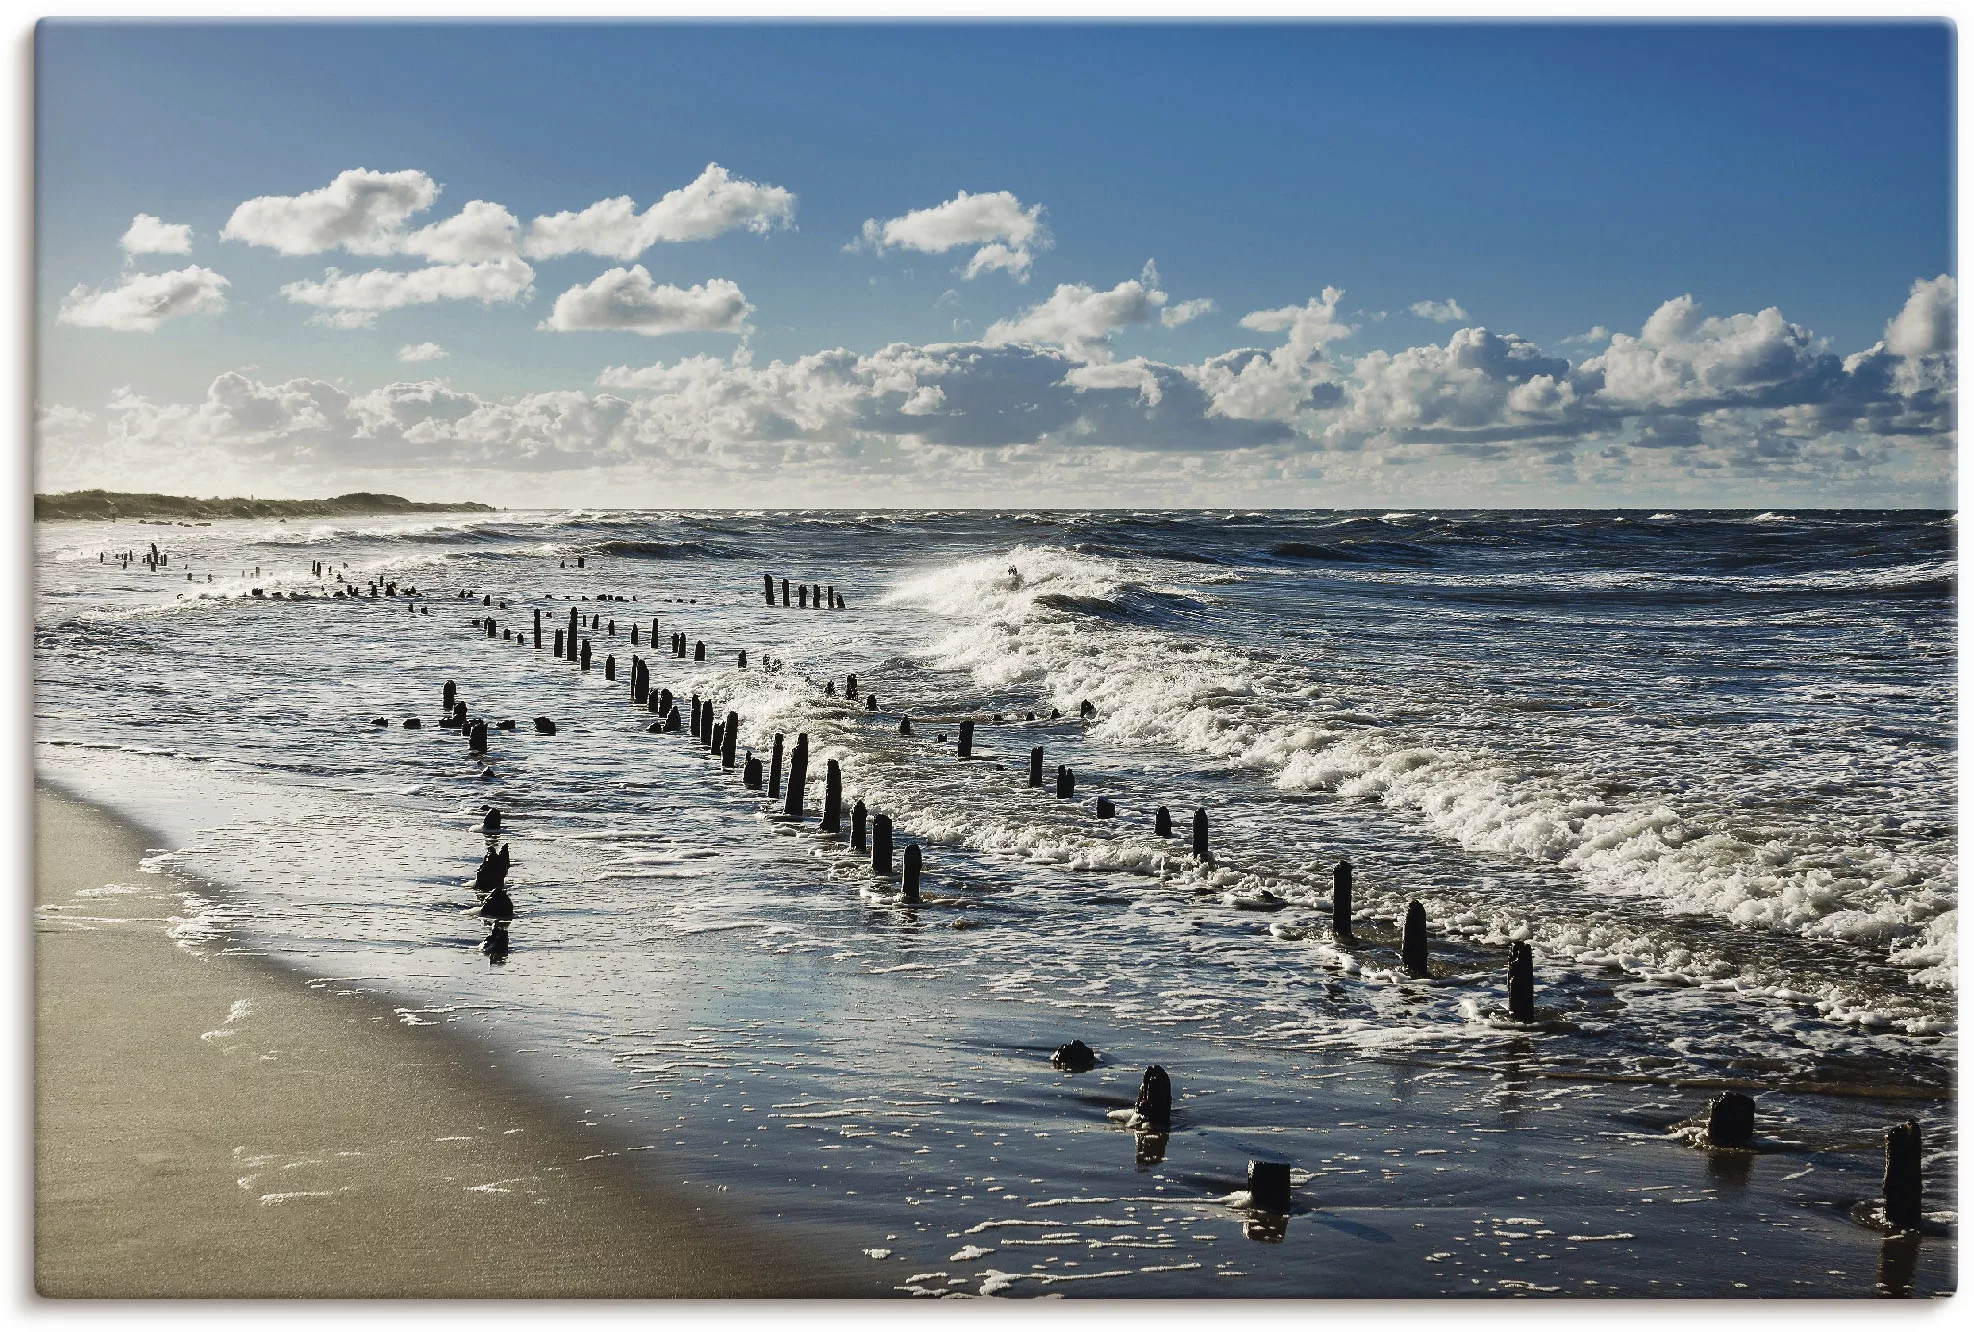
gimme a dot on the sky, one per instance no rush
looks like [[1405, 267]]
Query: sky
[[1322, 265]]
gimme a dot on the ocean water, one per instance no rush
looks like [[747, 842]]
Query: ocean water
[[1702, 763]]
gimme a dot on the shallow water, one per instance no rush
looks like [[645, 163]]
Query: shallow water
[[1702, 763]]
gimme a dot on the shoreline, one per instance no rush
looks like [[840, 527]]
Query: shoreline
[[208, 1127]]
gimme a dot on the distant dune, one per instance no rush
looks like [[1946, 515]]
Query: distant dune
[[100, 504]]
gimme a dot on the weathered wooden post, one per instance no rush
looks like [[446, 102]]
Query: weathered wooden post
[[672, 722], [1065, 783], [1162, 822], [544, 726], [611, 627], [750, 773], [574, 628], [585, 654], [653, 640], [966, 739], [798, 778], [640, 682], [912, 866], [717, 738], [1521, 982], [1412, 941], [850, 685], [449, 695], [1902, 1180], [742, 663], [802, 597], [1035, 766], [774, 769], [784, 593], [870, 703], [905, 726], [1199, 835], [1154, 1105], [732, 737], [695, 716], [832, 815], [476, 738], [858, 816], [634, 635], [1340, 899], [664, 701], [769, 581], [1730, 1120], [1268, 1186], [699, 651], [830, 592], [1105, 809], [880, 844], [610, 667]]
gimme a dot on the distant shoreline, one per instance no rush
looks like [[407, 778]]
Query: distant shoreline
[[108, 505]]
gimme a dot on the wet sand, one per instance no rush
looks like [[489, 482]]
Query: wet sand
[[208, 1126]]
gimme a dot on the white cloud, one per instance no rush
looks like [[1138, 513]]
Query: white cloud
[[151, 235], [715, 203], [422, 351], [1478, 380], [627, 299], [359, 296], [1926, 323], [362, 211], [1185, 311], [142, 301], [1081, 319], [481, 232], [1253, 385], [1440, 312], [1680, 360], [1006, 232]]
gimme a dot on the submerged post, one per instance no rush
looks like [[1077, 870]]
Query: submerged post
[[699, 651], [1521, 984], [610, 667], [1340, 899], [750, 773], [558, 642], [1155, 1097], [1902, 1183], [1162, 822], [832, 815], [537, 628], [732, 735], [1199, 835], [784, 592], [912, 867], [858, 815], [798, 777], [774, 769], [769, 580], [880, 844], [966, 739], [850, 685], [1035, 766], [1730, 1120], [1412, 942], [1065, 783]]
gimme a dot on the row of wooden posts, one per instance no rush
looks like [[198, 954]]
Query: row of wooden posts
[[1730, 1121]]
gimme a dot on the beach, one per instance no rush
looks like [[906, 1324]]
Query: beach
[[208, 1126], [1700, 765]]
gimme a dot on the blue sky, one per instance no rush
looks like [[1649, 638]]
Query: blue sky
[[1539, 183]]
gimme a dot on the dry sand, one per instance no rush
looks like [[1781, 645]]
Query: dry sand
[[210, 1126]]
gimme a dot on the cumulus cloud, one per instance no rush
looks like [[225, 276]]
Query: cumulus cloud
[[1479, 381], [1185, 311], [1926, 323], [1684, 361], [422, 351], [715, 203], [361, 211], [481, 232], [1006, 233], [143, 301], [1082, 319], [1440, 312], [356, 298], [627, 299], [151, 235], [1254, 385]]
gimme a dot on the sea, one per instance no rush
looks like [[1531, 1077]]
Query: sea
[[1701, 763]]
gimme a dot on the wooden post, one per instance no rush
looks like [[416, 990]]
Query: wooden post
[[1105, 809], [664, 701], [774, 769], [610, 667], [585, 654], [802, 597], [1162, 822], [1268, 1186], [718, 738], [573, 628], [654, 636], [633, 635], [830, 591], [732, 737], [1521, 983], [699, 651], [1199, 835], [449, 695], [769, 581], [1730, 1118], [476, 738], [966, 739], [784, 593], [1065, 783], [558, 643], [832, 815], [1902, 1181], [672, 722], [798, 778], [912, 866], [743, 659], [1412, 942], [1155, 1097], [850, 685], [695, 716], [880, 844], [640, 683], [750, 773], [905, 726], [870, 703], [537, 629], [858, 816], [1035, 766], [1340, 899]]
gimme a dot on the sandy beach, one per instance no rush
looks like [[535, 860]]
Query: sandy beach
[[207, 1125]]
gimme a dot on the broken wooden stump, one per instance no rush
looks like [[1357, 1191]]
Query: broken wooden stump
[[880, 844], [1412, 941]]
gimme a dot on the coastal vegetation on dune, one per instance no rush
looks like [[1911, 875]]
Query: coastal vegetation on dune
[[109, 504]]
